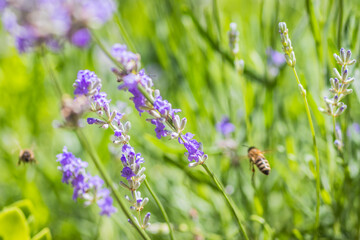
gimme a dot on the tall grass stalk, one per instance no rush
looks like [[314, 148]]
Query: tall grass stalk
[[315, 30], [162, 209], [316, 151]]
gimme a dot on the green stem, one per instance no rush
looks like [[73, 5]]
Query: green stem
[[247, 121], [228, 200], [315, 29], [107, 53], [317, 175], [162, 209], [84, 142], [334, 127], [124, 33]]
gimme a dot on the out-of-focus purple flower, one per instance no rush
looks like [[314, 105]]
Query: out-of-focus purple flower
[[275, 58], [37, 22], [81, 38], [2, 5], [106, 205], [127, 173], [353, 128], [128, 59], [225, 127], [85, 186]]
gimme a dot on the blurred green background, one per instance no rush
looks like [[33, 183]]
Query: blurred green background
[[184, 47]]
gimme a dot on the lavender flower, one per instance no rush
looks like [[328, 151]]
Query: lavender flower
[[88, 85], [38, 22], [85, 186], [146, 99], [339, 85], [225, 127]]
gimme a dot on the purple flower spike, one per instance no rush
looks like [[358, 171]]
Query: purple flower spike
[[225, 127], [127, 173], [162, 106], [85, 186], [85, 79]]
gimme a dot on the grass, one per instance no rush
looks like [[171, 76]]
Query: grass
[[184, 46]]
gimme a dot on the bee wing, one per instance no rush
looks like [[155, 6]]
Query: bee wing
[[269, 151]]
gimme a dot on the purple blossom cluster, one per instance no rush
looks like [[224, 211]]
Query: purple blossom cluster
[[133, 172], [86, 187], [50, 22], [89, 85], [275, 61], [225, 127], [147, 99]]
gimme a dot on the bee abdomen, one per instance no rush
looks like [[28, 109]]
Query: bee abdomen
[[263, 165]]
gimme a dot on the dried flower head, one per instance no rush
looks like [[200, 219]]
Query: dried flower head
[[72, 110]]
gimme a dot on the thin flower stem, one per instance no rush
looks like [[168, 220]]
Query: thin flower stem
[[228, 200], [162, 209], [334, 127], [84, 142], [104, 50], [247, 121], [317, 175]]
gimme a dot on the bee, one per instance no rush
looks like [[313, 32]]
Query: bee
[[26, 156], [257, 158]]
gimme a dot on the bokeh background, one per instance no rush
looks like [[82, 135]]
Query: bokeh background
[[184, 47]]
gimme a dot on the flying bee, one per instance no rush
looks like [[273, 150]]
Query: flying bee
[[257, 158], [26, 156]]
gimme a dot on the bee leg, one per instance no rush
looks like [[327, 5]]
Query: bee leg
[[253, 172]]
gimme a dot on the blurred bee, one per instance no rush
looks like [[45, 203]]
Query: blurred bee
[[26, 156], [257, 158]]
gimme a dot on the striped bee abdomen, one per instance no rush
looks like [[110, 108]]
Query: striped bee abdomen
[[263, 165]]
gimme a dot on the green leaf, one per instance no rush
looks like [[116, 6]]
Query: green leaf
[[163, 146], [13, 224], [43, 235], [25, 206]]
